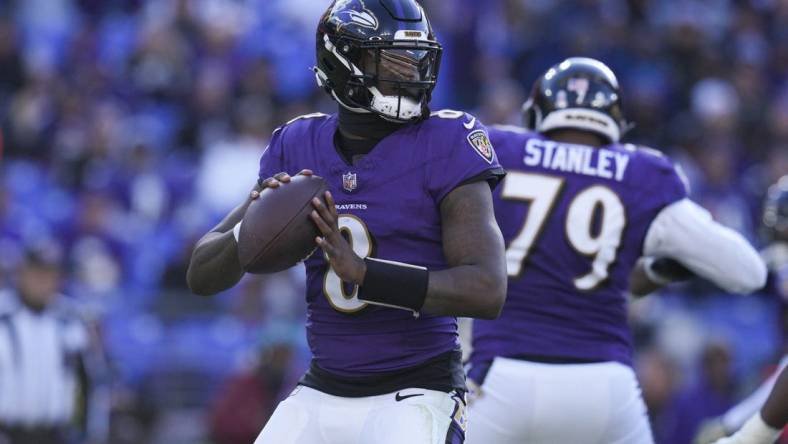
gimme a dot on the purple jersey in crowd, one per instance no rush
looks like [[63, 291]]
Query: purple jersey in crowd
[[389, 205], [574, 219]]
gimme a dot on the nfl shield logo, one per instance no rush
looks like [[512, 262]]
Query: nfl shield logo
[[349, 182]]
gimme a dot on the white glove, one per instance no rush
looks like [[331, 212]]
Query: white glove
[[754, 431], [710, 431]]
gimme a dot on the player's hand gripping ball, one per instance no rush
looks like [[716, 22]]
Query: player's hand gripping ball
[[277, 231], [344, 261]]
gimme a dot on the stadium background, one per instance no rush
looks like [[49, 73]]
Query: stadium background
[[131, 126]]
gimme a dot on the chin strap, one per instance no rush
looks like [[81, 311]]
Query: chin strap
[[396, 107], [322, 79]]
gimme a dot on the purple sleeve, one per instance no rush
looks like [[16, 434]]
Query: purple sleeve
[[658, 180], [673, 183], [272, 161], [462, 154]]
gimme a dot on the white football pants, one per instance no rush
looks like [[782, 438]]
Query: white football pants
[[309, 416], [527, 402]]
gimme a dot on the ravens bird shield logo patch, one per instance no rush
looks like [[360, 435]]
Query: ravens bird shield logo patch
[[481, 143], [356, 13]]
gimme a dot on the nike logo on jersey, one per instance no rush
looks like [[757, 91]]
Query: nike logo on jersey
[[469, 125], [400, 398]]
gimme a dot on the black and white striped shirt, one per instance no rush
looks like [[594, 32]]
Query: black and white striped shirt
[[40, 358]]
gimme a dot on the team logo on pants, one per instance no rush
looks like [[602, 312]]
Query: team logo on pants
[[459, 410]]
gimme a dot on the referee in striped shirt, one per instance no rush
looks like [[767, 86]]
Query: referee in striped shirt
[[46, 357]]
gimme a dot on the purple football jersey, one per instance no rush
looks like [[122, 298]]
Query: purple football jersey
[[389, 206], [574, 219]]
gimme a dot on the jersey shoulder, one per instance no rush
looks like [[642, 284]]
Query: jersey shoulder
[[305, 124], [510, 140], [644, 160], [508, 133], [653, 170], [449, 130], [644, 156], [448, 125], [299, 128]]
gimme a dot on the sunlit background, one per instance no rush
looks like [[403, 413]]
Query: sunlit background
[[131, 127]]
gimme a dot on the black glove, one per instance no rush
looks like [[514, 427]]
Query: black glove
[[664, 270]]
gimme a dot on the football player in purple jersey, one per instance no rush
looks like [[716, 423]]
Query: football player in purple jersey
[[578, 210], [748, 415], [409, 239]]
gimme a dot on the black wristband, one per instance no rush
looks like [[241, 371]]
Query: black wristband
[[394, 284]]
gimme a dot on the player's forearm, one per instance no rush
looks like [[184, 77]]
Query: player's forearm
[[650, 274], [467, 291], [475, 284], [214, 264], [775, 411], [639, 282]]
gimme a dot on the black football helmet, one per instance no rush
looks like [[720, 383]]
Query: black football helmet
[[378, 56], [775, 211], [580, 93]]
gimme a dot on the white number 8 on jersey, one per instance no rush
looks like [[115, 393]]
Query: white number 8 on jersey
[[357, 234]]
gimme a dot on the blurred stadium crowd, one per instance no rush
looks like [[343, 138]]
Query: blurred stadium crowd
[[131, 126]]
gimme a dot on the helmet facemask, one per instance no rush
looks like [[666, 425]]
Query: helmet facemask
[[393, 79]]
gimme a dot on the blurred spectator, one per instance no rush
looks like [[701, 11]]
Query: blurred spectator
[[132, 417], [12, 76], [711, 395], [249, 398], [46, 353], [659, 383], [502, 103]]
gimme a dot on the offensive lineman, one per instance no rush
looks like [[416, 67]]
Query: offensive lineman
[[578, 210], [409, 239]]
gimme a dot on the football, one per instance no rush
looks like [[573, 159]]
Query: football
[[277, 232]]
